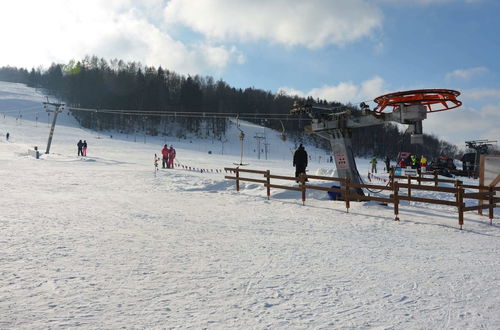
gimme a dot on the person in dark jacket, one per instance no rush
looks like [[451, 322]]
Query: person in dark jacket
[[387, 162], [300, 160], [80, 148]]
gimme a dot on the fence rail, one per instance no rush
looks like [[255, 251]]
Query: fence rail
[[485, 193]]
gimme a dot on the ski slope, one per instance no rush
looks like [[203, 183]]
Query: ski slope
[[103, 242]]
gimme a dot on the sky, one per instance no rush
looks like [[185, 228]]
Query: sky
[[344, 50]]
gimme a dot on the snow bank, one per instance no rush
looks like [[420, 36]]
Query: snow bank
[[103, 242]]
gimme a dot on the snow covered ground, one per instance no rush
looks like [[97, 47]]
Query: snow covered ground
[[103, 242]]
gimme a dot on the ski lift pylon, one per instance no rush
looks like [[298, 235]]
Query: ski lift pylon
[[241, 137], [282, 135]]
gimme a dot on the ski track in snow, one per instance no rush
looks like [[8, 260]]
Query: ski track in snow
[[101, 242]]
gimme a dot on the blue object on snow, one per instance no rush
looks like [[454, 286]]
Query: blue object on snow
[[333, 195]]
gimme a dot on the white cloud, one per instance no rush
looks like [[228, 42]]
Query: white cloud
[[465, 123], [481, 93], [344, 92], [466, 74], [426, 2], [290, 22], [291, 92], [41, 32]]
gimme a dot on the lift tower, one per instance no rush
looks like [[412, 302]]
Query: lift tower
[[408, 107], [58, 107]]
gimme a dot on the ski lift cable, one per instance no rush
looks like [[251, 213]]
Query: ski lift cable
[[23, 109], [187, 114], [160, 111], [156, 112]]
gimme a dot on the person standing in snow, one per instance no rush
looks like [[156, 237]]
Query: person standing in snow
[[414, 162], [84, 148], [300, 161], [164, 153], [80, 148], [374, 164], [7, 136], [171, 156], [387, 163], [402, 163], [423, 163]]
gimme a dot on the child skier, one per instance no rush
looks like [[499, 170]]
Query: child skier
[[171, 156], [84, 148]]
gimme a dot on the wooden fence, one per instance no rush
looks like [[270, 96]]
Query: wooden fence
[[484, 193]]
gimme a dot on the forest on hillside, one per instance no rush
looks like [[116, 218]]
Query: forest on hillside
[[127, 96]]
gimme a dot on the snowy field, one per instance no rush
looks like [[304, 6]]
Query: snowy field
[[103, 242]]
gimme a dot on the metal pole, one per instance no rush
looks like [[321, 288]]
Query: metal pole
[[51, 133]]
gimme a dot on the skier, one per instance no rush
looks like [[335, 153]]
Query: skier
[[300, 161], [84, 148], [423, 163], [7, 136], [156, 163], [164, 153], [414, 161], [171, 156], [374, 164], [402, 163], [80, 146], [387, 163]]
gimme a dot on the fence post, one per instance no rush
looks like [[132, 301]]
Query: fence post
[[237, 179], [419, 178], [460, 205], [491, 197], [409, 189], [396, 201], [268, 181], [302, 179], [391, 176], [346, 195], [435, 178]]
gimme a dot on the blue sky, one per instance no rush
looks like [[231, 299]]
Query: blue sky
[[339, 50]]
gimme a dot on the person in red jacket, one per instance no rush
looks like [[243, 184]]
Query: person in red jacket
[[171, 156], [164, 153]]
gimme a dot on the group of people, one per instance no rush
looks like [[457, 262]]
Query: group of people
[[414, 162], [411, 161], [82, 148], [387, 163], [168, 155]]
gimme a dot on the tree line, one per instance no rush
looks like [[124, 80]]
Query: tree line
[[94, 83]]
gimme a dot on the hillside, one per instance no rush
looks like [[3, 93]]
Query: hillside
[[104, 242]]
